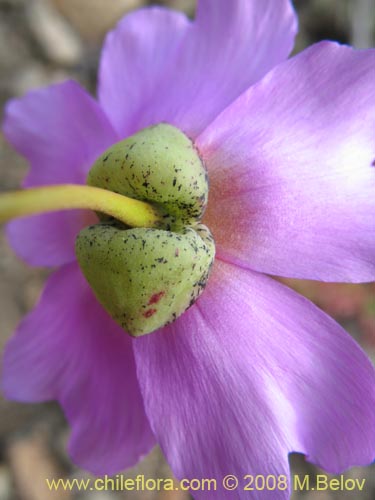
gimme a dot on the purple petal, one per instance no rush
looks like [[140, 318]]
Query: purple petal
[[157, 66], [251, 373], [61, 131], [292, 173], [69, 349], [48, 239], [134, 59]]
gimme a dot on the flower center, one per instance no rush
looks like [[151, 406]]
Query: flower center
[[147, 277]]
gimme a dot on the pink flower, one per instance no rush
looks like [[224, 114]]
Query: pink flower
[[252, 371]]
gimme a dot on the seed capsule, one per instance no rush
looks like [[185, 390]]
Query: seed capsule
[[145, 278], [161, 165]]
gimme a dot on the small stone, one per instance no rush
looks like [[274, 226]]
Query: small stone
[[93, 18], [5, 484], [57, 38], [31, 464], [187, 6], [34, 76]]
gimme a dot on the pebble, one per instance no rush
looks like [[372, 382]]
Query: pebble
[[35, 75], [31, 464], [57, 38], [93, 18], [5, 483], [187, 6]]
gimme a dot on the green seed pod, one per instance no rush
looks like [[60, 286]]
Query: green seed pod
[[145, 278], [160, 165]]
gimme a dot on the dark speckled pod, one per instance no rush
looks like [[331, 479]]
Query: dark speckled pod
[[145, 278], [159, 164]]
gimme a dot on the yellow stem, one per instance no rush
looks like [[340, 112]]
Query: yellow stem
[[33, 201]]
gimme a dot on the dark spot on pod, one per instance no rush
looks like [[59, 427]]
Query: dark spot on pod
[[149, 313], [156, 297]]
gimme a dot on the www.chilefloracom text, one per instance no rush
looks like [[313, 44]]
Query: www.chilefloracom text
[[230, 482]]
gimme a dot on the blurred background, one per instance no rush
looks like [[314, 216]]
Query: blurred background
[[44, 41]]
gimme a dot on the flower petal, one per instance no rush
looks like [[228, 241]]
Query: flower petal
[[292, 173], [250, 373], [69, 349], [48, 239], [61, 131], [134, 58], [158, 67]]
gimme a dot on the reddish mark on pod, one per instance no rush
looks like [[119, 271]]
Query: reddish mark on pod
[[149, 313], [177, 252], [155, 298]]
